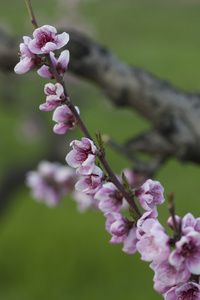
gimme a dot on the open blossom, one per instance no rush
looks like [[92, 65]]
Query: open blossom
[[187, 251], [110, 199], [167, 276], [45, 40], [91, 183], [54, 96], [50, 182], [153, 244], [151, 194], [27, 58], [82, 156], [187, 291], [122, 230], [65, 119], [60, 65]]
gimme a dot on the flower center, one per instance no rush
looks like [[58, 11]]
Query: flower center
[[188, 295], [44, 38], [188, 249]]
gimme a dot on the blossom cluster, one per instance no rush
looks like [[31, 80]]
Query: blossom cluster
[[175, 260], [174, 264], [50, 182], [33, 52]]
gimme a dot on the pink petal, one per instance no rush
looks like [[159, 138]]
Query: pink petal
[[44, 72], [62, 40], [64, 58], [60, 128], [193, 265], [130, 242], [87, 166], [23, 66], [46, 106], [59, 114], [48, 47], [71, 159]]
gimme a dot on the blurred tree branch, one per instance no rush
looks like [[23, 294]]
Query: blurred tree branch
[[174, 115]]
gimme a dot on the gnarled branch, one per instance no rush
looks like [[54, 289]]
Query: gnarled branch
[[174, 115]]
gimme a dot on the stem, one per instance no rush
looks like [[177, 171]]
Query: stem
[[171, 208], [82, 126], [69, 103], [103, 160], [31, 13]]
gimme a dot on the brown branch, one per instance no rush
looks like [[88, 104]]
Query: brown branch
[[174, 115]]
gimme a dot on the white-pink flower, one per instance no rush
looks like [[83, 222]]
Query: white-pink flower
[[27, 58], [60, 65], [153, 244], [91, 183], [65, 119], [151, 194], [122, 231], [45, 40], [109, 197], [82, 156], [167, 275], [187, 291], [50, 182], [54, 96], [187, 251]]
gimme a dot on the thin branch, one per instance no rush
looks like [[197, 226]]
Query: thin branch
[[31, 13], [68, 102]]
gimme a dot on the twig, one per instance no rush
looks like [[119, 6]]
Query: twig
[[68, 102], [31, 13]]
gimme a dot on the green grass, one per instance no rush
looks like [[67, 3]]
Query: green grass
[[58, 253]]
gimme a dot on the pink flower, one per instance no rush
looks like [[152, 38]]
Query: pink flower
[[55, 96], [187, 291], [27, 58], [150, 215], [187, 251], [45, 40], [151, 194], [91, 183], [65, 119], [82, 156], [60, 64], [167, 276], [84, 201], [110, 198], [50, 182], [153, 244], [122, 230]]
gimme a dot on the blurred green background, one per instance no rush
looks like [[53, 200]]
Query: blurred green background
[[59, 253]]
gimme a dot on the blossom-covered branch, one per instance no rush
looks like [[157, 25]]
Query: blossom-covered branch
[[175, 260]]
